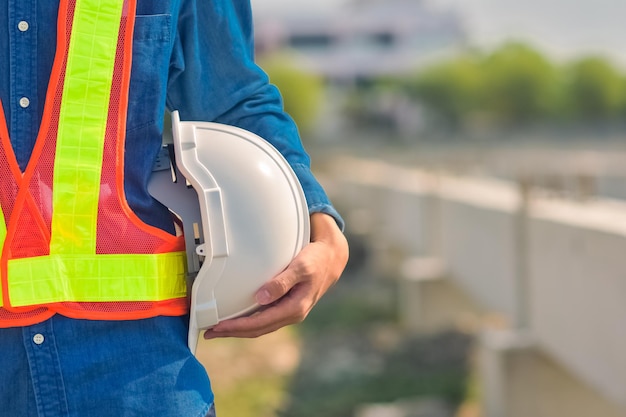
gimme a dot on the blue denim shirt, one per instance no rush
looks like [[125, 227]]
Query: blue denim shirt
[[194, 56]]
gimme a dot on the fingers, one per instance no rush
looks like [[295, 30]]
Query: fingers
[[289, 297], [286, 299], [290, 309]]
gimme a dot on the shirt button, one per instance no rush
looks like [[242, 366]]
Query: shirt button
[[38, 339], [24, 102], [23, 26]]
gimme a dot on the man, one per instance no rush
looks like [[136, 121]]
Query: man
[[93, 318]]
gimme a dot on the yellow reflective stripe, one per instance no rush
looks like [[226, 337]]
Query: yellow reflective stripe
[[82, 125], [97, 278]]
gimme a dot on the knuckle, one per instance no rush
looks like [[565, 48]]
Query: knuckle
[[307, 269], [284, 285], [281, 285]]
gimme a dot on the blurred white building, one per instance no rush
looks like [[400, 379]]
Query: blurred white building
[[362, 39]]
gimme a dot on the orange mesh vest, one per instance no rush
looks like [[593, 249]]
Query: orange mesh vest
[[70, 242]]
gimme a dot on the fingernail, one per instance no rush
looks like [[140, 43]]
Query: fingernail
[[209, 335], [263, 297]]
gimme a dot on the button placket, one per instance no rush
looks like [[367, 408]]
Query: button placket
[[45, 369], [23, 118]]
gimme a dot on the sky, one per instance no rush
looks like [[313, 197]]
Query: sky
[[562, 28]]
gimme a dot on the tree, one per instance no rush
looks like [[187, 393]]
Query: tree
[[451, 90], [521, 85], [594, 90]]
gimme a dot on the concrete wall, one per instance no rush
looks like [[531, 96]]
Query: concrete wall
[[479, 245], [577, 270], [554, 270]]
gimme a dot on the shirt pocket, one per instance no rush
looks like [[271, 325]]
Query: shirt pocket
[[148, 78]]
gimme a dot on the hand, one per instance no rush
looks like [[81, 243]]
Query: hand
[[289, 297]]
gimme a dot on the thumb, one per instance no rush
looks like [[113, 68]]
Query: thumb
[[277, 287]]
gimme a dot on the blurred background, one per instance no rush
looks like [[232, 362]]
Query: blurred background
[[476, 149]]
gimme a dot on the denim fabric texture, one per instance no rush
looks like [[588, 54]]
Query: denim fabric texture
[[194, 56], [65, 367]]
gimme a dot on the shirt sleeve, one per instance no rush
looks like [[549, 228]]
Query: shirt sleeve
[[213, 77]]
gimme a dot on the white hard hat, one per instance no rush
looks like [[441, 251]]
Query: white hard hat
[[244, 217]]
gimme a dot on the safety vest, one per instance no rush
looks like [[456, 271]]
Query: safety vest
[[70, 242]]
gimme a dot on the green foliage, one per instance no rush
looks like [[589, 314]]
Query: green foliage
[[428, 367], [452, 89], [595, 90], [350, 311], [302, 92], [516, 85], [520, 84]]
